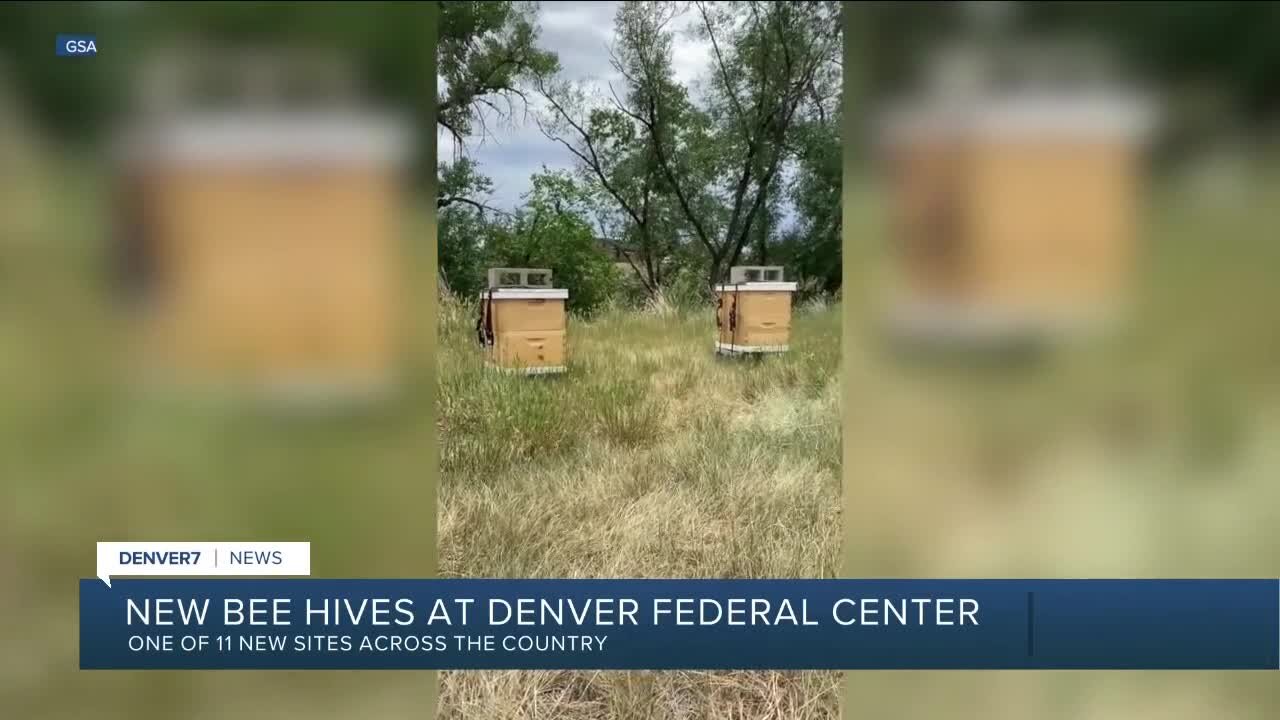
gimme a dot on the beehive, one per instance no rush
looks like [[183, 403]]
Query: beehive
[[523, 322], [265, 246], [1014, 210], [753, 312]]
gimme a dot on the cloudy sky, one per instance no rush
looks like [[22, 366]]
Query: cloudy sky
[[580, 33]]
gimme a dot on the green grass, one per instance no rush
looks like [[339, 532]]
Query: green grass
[[650, 457]]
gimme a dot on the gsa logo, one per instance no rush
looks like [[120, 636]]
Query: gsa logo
[[76, 45]]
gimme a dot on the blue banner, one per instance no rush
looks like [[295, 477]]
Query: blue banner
[[680, 624]]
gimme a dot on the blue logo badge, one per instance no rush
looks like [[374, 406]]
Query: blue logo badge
[[76, 45]]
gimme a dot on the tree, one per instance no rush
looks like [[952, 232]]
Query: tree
[[485, 53], [812, 248], [635, 211], [551, 231], [770, 60], [465, 225], [616, 157]]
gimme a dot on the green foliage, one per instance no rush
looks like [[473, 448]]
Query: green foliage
[[684, 188], [812, 249], [688, 288], [461, 252], [485, 51], [772, 99], [463, 226], [721, 158], [551, 231]]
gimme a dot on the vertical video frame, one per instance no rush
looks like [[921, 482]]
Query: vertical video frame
[[640, 251]]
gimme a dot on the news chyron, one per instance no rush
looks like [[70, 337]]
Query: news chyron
[[76, 45]]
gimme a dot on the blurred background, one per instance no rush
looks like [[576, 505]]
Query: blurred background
[[216, 320], [1148, 450], [1001, 179]]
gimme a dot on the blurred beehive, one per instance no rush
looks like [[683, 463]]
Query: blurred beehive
[[753, 311], [1014, 204], [523, 323], [262, 233]]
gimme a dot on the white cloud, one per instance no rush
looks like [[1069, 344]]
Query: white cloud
[[690, 56], [509, 152]]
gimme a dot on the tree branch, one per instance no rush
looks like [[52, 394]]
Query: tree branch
[[729, 89], [446, 201], [591, 158]]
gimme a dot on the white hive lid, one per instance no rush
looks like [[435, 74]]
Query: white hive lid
[[519, 293], [757, 287], [254, 137], [1059, 89], [1040, 114]]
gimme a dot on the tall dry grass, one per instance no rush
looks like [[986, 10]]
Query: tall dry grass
[[651, 457]]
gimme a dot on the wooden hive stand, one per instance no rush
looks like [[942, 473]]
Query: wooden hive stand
[[523, 322], [753, 312]]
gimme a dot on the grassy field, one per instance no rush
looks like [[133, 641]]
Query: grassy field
[[651, 457]]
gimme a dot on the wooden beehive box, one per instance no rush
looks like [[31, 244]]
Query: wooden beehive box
[[1014, 210], [753, 312], [523, 322], [265, 246]]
